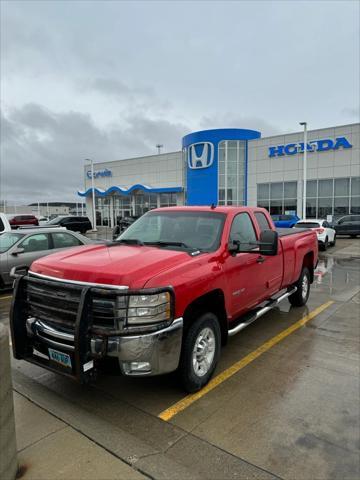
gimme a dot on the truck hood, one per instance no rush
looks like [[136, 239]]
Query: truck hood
[[129, 265]]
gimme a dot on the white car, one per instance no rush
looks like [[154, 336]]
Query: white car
[[326, 235], [42, 220], [4, 223]]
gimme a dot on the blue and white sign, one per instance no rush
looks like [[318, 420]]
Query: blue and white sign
[[99, 173], [200, 155], [312, 146]]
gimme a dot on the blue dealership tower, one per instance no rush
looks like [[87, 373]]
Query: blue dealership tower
[[216, 166]]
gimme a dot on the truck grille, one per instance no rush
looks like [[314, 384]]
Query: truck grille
[[57, 303]]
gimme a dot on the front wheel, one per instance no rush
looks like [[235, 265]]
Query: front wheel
[[333, 243], [200, 352], [300, 297]]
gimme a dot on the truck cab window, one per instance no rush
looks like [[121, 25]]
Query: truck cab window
[[242, 230], [262, 221]]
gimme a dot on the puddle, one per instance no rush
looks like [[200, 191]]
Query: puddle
[[339, 277]]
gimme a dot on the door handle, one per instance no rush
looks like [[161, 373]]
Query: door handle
[[260, 259]]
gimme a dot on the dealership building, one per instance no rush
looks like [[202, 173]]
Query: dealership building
[[235, 166]]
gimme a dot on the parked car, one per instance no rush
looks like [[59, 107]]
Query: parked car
[[122, 224], [25, 219], [165, 296], [22, 247], [42, 220], [76, 224], [347, 225], [4, 223], [325, 234], [285, 221]]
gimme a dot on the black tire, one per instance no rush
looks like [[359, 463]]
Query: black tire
[[191, 379], [325, 245], [300, 297], [353, 236], [333, 243]]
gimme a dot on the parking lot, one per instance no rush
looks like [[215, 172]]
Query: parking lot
[[284, 402]]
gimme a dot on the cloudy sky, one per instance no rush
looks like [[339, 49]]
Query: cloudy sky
[[109, 79]]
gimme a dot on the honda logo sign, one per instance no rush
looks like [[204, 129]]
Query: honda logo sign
[[200, 155]]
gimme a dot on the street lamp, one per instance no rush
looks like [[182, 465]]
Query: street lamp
[[304, 124], [93, 193], [159, 146]]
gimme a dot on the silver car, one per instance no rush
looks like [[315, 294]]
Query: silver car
[[22, 247]]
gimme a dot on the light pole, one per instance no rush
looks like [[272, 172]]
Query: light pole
[[159, 146], [304, 124], [93, 193]]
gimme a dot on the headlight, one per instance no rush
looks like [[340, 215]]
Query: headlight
[[145, 309]]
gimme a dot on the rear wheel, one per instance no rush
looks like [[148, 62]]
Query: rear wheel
[[300, 297], [200, 352], [333, 243], [325, 245]]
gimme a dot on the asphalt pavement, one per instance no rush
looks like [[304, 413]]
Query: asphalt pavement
[[284, 403]]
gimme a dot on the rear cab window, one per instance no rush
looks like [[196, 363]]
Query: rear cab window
[[262, 221]]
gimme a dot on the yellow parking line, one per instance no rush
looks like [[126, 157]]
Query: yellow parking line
[[229, 372], [5, 297]]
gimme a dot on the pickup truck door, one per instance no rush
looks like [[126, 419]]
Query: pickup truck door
[[242, 270], [252, 277]]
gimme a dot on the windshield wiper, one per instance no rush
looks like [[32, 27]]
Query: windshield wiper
[[161, 243], [128, 241]]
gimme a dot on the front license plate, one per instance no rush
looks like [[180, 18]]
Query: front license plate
[[60, 358]]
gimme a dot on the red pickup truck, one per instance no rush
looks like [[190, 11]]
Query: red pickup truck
[[164, 296]]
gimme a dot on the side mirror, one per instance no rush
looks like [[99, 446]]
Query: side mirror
[[234, 247], [268, 244], [17, 251]]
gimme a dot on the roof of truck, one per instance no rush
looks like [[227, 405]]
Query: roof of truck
[[206, 208]]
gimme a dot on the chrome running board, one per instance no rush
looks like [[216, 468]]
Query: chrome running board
[[259, 313]]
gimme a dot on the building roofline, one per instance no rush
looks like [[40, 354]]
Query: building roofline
[[312, 130], [134, 158], [257, 139]]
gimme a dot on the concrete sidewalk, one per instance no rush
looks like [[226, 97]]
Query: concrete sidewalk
[[48, 448]]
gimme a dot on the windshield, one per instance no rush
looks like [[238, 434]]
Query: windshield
[[7, 240], [55, 221], [195, 230], [307, 225]]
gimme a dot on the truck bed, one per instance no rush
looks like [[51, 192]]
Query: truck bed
[[284, 232]]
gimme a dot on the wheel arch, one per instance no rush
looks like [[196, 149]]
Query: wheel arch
[[308, 261], [213, 301]]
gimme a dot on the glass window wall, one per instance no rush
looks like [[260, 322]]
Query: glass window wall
[[337, 196], [232, 172], [278, 197], [168, 200]]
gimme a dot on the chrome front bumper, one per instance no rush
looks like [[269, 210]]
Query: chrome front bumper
[[148, 354]]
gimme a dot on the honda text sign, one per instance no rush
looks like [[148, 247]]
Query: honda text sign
[[200, 155], [312, 146]]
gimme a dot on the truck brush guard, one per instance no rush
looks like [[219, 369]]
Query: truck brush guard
[[67, 327]]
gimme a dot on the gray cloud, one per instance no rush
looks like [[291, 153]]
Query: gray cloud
[[43, 152], [232, 120], [352, 112], [117, 88], [109, 80]]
